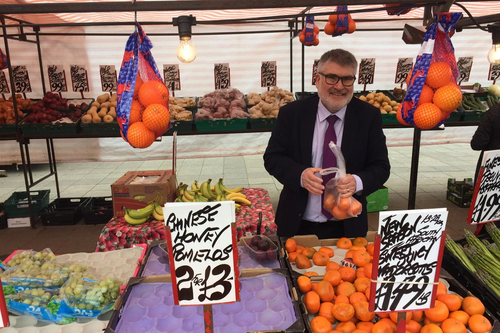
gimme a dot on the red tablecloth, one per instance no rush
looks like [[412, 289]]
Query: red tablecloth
[[118, 234]]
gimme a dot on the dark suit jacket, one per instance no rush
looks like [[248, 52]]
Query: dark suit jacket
[[289, 153]]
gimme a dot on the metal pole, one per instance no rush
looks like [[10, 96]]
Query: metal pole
[[37, 30], [414, 168], [55, 167], [290, 25], [303, 56]]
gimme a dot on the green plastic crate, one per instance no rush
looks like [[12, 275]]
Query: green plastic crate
[[455, 116], [389, 118], [181, 126], [17, 204], [259, 123], [216, 125], [472, 115]]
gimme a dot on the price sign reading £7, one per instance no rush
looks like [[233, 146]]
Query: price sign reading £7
[[108, 77], [21, 79], [57, 78], [201, 241], [485, 205], [366, 71], [268, 74], [222, 75], [407, 259], [403, 70]]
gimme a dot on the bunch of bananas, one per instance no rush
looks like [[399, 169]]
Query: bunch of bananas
[[139, 216], [206, 192]]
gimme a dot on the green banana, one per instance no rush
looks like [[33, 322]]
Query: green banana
[[131, 220], [199, 198], [141, 213]]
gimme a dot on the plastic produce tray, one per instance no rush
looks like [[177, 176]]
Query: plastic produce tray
[[215, 125], [262, 122], [98, 210], [30, 324], [465, 277], [266, 304], [50, 128], [17, 204], [64, 211]]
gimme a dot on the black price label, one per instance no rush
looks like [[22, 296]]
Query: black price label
[[268, 74], [485, 206], [79, 78], [4, 87], [172, 77], [222, 75], [366, 71], [57, 78], [464, 66], [21, 79], [315, 71], [403, 69], [108, 77], [494, 72]]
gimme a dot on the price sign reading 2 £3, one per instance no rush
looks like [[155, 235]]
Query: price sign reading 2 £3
[[407, 261], [201, 241]]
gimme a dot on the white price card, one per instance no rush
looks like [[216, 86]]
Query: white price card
[[79, 78], [108, 77], [4, 315], [366, 71], [464, 66], [222, 76], [268, 74], [57, 78], [201, 238], [172, 77], [407, 259], [315, 71], [403, 69], [485, 205], [4, 87], [494, 73], [21, 79]]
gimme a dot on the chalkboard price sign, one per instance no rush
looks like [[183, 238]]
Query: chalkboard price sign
[[403, 69], [268, 74], [79, 78], [464, 66], [366, 71], [21, 79], [172, 77], [57, 78], [222, 74], [108, 77]]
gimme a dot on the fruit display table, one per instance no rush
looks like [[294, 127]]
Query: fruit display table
[[118, 234]]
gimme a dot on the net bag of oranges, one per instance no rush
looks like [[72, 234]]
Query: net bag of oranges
[[339, 24], [433, 92], [340, 208], [142, 110]]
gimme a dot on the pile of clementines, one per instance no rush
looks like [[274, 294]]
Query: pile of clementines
[[342, 297]]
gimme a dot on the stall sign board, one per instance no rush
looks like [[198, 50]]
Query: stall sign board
[[314, 71], [21, 79], [366, 71], [108, 77], [201, 238], [485, 205], [79, 78], [4, 87], [464, 66], [494, 73], [403, 69], [407, 259], [4, 315], [222, 76], [268, 74], [172, 77], [57, 78]]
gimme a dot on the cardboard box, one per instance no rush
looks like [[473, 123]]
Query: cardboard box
[[129, 192], [460, 201], [378, 200], [463, 188], [18, 222]]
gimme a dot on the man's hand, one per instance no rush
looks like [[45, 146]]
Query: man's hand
[[347, 186], [311, 182]]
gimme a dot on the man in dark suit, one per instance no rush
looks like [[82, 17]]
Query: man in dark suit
[[295, 152]]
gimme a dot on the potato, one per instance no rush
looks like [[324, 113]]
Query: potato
[[395, 108], [370, 96], [363, 98], [379, 98], [376, 104], [387, 99], [371, 101], [393, 103], [388, 108], [383, 111], [385, 103]]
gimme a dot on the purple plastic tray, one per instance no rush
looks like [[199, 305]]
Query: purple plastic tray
[[265, 305], [158, 265]]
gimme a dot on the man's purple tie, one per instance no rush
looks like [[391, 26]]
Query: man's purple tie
[[329, 159]]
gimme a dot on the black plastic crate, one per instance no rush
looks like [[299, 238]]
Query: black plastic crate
[[301, 95], [3, 217], [259, 123], [64, 211], [98, 210], [462, 202], [470, 281]]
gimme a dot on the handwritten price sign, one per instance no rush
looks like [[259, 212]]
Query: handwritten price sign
[[464, 66], [366, 71], [485, 206], [268, 74], [201, 251], [79, 78], [403, 69], [57, 78], [4, 87], [108, 77], [172, 77], [21, 79], [222, 74], [408, 261], [315, 71], [494, 72]]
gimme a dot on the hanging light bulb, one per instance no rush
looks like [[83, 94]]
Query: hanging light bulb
[[186, 52], [494, 54]]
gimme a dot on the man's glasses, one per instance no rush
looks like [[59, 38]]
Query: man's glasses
[[332, 79]]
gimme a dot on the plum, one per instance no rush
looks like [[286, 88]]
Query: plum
[[271, 255], [263, 245], [256, 240], [260, 256]]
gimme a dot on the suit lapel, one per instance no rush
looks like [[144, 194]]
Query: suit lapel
[[351, 123], [307, 128]]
